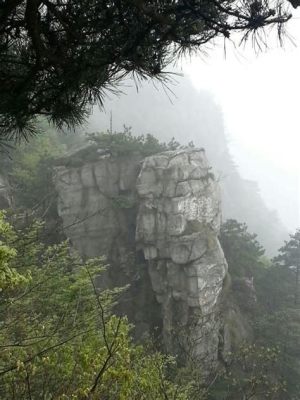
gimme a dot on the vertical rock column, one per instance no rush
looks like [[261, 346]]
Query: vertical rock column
[[177, 228]]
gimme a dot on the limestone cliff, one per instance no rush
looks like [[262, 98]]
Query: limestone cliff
[[177, 227], [157, 221], [97, 204]]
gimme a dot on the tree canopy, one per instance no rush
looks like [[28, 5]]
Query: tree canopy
[[270, 302], [241, 249], [289, 257], [59, 337], [59, 57]]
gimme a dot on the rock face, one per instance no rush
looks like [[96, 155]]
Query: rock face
[[177, 227], [97, 205], [92, 201], [156, 220]]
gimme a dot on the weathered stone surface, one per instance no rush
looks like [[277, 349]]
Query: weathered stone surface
[[179, 220], [168, 252], [97, 205], [92, 202]]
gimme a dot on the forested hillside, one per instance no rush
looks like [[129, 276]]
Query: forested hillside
[[63, 336]]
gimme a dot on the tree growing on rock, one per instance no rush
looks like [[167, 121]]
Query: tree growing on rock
[[57, 58]]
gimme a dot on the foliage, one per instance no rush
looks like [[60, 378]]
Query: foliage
[[289, 257], [282, 329], [31, 172], [274, 311], [117, 144], [59, 57], [124, 143], [242, 251], [278, 323], [59, 338], [9, 276], [275, 288], [251, 373]]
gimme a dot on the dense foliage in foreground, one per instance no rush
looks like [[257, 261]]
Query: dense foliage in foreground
[[59, 338]]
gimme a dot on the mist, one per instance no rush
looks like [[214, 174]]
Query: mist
[[239, 105], [183, 112]]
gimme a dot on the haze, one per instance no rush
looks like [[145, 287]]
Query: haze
[[258, 94]]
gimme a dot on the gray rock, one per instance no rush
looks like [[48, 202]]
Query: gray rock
[[174, 221], [176, 224], [182, 189], [188, 269]]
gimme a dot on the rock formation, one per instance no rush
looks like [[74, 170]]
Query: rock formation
[[193, 115], [157, 221], [97, 204], [92, 200], [177, 228]]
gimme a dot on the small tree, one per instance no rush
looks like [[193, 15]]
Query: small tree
[[241, 249], [289, 257]]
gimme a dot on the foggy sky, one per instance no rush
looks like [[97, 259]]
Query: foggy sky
[[258, 93]]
